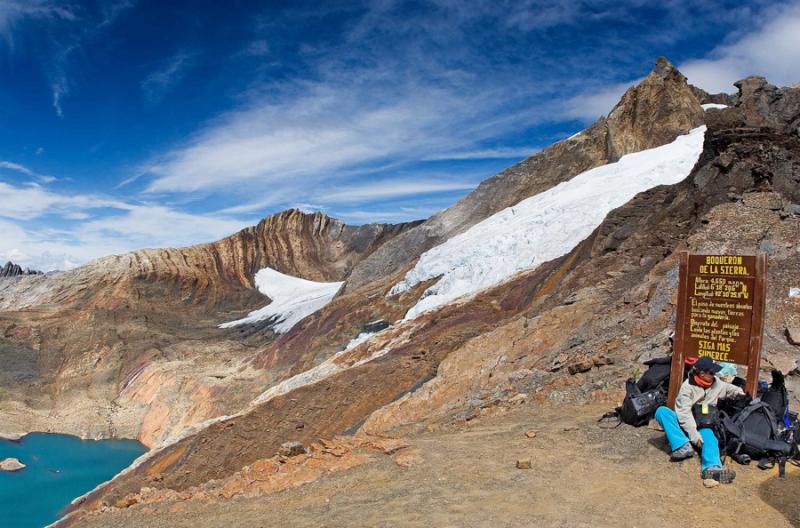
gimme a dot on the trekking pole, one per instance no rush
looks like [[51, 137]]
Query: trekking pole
[[782, 467]]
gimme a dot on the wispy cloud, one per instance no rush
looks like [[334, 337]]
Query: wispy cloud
[[772, 51], [483, 154], [32, 201], [167, 76], [26, 171], [392, 189], [15, 12], [256, 48], [588, 106], [59, 29]]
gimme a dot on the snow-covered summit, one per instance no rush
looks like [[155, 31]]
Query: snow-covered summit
[[544, 226], [293, 299]]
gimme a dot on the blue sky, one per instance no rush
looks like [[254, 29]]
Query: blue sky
[[132, 123]]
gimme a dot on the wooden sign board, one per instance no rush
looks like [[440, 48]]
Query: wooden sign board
[[720, 313]]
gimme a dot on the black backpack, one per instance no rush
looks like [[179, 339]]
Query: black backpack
[[657, 374], [756, 432], [643, 397], [776, 396]]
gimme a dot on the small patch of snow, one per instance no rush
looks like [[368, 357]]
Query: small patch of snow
[[544, 226], [293, 299], [709, 106], [363, 336], [794, 292]]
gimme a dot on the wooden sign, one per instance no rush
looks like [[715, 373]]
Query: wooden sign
[[720, 313]]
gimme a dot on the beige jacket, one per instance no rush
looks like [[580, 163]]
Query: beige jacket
[[690, 394]]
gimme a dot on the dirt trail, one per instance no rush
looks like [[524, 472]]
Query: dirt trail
[[582, 476]]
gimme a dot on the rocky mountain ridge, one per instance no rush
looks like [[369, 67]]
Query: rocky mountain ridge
[[15, 270], [128, 345]]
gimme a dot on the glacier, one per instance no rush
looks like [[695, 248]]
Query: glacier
[[293, 299], [544, 226]]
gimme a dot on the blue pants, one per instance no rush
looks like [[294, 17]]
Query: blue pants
[[709, 456]]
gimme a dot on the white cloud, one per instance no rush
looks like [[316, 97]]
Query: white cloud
[[158, 226], [393, 189], [772, 51], [496, 153], [25, 170], [12, 12], [330, 130], [33, 201], [593, 104], [167, 76], [17, 167], [93, 226]]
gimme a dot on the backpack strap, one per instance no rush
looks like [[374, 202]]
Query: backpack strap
[[611, 414]]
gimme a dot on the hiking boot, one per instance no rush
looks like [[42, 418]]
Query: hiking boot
[[721, 475], [682, 453]]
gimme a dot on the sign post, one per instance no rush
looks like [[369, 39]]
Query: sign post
[[720, 313]]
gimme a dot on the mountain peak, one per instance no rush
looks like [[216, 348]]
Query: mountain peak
[[13, 270], [663, 67], [652, 113]]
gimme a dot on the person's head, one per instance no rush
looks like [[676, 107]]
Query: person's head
[[705, 368]]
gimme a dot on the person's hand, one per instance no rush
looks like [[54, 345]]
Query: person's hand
[[698, 443]]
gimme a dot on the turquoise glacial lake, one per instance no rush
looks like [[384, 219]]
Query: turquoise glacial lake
[[60, 468]]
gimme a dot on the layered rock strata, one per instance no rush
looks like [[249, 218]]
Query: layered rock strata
[[128, 345]]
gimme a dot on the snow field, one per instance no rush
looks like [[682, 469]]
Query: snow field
[[293, 299], [709, 106], [545, 226]]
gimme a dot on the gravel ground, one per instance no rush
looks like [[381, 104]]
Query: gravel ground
[[582, 476]]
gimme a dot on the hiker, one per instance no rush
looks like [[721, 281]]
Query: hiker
[[699, 393]]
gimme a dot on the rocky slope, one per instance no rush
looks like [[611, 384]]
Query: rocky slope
[[571, 329]]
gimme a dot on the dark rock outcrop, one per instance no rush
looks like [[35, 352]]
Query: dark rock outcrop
[[15, 270]]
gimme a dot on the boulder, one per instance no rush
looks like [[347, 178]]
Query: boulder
[[11, 464], [793, 335], [524, 463], [292, 448]]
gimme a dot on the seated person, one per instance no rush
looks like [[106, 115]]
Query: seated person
[[701, 387]]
